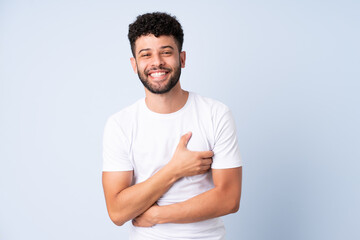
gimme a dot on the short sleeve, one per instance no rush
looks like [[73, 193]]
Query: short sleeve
[[226, 149], [115, 148]]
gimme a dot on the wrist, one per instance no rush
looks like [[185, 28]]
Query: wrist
[[173, 172], [159, 215]]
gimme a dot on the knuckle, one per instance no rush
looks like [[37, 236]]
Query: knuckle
[[197, 155]]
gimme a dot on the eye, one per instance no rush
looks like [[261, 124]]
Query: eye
[[166, 53], [145, 55]]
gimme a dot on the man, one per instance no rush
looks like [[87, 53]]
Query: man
[[171, 160]]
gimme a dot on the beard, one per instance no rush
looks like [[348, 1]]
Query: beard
[[155, 88]]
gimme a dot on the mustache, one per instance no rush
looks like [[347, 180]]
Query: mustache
[[157, 68]]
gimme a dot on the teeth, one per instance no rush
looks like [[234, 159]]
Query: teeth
[[157, 74]]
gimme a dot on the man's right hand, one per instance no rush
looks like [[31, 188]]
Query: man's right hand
[[189, 163], [126, 201]]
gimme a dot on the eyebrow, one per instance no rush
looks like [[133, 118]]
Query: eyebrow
[[168, 46], [162, 47], [145, 49]]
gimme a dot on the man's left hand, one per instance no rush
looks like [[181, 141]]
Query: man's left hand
[[148, 218]]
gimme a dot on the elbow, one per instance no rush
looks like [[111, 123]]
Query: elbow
[[231, 201], [234, 204], [118, 215], [118, 223], [235, 207], [117, 219]]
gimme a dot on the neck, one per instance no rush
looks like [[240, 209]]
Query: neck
[[169, 102]]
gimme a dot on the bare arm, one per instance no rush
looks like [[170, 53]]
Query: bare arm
[[125, 202], [223, 199]]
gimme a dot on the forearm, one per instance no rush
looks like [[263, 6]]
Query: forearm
[[134, 200], [126, 201], [223, 199], [213, 203]]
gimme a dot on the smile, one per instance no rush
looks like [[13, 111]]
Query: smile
[[157, 74]]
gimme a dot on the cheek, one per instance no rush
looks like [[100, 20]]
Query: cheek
[[175, 63], [140, 68], [143, 65]]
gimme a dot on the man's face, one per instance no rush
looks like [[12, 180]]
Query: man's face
[[158, 62]]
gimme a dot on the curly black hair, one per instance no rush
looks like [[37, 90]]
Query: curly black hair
[[156, 23]]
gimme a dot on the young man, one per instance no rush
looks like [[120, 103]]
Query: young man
[[171, 160]]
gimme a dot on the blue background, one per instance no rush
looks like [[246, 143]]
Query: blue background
[[289, 70]]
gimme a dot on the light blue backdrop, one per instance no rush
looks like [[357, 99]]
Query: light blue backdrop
[[289, 70]]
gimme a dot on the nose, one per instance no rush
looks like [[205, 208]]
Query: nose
[[157, 60]]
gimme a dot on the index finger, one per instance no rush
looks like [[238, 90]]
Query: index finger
[[206, 154]]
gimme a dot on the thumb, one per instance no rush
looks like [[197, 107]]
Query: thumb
[[185, 139]]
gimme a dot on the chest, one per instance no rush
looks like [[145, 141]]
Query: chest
[[155, 140]]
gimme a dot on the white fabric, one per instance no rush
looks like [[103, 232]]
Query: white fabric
[[144, 141]]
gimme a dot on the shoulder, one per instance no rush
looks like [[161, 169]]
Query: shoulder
[[123, 120], [216, 107], [127, 114]]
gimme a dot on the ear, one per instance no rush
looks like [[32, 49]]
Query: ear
[[133, 64], [182, 58]]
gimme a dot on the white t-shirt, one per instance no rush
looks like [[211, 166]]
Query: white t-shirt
[[144, 141]]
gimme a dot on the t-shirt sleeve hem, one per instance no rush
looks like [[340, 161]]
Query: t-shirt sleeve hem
[[117, 169], [226, 166]]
